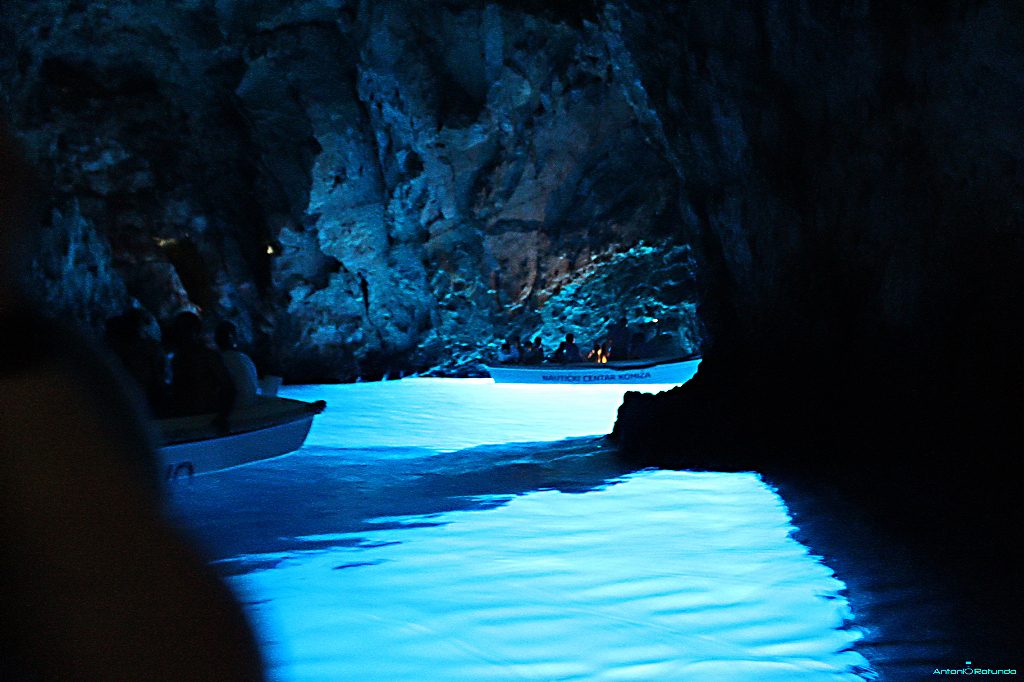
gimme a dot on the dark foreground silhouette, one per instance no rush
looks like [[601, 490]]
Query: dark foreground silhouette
[[96, 585]]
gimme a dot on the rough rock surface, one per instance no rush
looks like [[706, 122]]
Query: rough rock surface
[[853, 171], [363, 187]]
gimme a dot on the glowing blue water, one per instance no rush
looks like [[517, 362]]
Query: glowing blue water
[[386, 550]]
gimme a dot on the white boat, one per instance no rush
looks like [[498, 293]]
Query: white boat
[[269, 428], [652, 371]]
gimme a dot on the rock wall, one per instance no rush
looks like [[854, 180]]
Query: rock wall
[[362, 187], [853, 174]]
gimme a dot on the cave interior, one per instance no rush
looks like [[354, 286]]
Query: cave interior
[[824, 200]]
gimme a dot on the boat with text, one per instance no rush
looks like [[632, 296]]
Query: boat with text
[[675, 370]]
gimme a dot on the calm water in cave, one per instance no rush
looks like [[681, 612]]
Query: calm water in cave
[[428, 532]]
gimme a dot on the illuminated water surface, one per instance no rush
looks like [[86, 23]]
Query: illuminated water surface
[[426, 532]]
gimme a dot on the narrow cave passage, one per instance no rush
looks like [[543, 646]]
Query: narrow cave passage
[[515, 207]]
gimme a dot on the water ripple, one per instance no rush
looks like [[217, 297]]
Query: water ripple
[[629, 581]]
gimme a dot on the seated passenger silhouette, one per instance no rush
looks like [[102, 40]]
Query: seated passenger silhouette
[[638, 345], [141, 356], [572, 351], [533, 354], [200, 383], [618, 340], [239, 365], [538, 351], [527, 353], [559, 355], [508, 354]]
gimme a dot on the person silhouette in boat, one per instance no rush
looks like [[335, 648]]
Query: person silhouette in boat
[[140, 355], [507, 354], [200, 383], [533, 353], [558, 356], [618, 340], [517, 347], [240, 366], [526, 352], [572, 352], [538, 350]]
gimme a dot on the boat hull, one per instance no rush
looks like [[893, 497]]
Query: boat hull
[[668, 372], [193, 445]]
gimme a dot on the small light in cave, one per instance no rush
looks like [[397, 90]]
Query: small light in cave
[[165, 242], [655, 320], [270, 250]]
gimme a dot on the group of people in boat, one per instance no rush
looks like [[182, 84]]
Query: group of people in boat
[[514, 352], [620, 343], [180, 370]]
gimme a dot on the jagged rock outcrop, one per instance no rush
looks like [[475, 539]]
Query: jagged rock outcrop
[[362, 187]]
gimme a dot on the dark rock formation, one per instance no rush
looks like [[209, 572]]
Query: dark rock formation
[[362, 187], [853, 172]]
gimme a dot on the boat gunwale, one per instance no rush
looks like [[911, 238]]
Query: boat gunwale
[[204, 429], [614, 365]]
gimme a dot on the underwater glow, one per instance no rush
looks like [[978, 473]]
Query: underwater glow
[[371, 554]]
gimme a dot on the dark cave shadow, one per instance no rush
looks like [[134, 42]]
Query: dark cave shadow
[[324, 498], [914, 611]]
